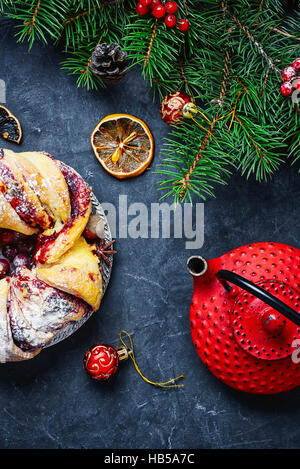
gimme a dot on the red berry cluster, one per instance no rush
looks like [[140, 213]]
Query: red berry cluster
[[289, 75], [17, 250], [166, 11]]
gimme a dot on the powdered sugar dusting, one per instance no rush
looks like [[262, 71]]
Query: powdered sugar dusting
[[33, 314]]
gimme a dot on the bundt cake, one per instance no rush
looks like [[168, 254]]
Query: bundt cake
[[50, 274]]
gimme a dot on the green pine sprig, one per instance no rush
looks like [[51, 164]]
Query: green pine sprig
[[229, 62]]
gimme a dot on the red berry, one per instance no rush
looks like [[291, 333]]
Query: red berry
[[9, 252], [296, 64], [141, 9], [154, 4], [286, 88], [146, 3], [159, 11], [19, 237], [288, 73], [7, 237], [183, 25], [296, 84], [25, 248], [20, 260], [170, 21], [171, 7], [4, 267]]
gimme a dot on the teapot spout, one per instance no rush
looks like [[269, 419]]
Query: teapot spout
[[197, 266]]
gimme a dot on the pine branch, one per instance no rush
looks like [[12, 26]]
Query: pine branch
[[80, 23], [230, 62], [252, 125], [148, 42], [38, 19], [185, 181], [150, 45], [184, 174], [78, 63]]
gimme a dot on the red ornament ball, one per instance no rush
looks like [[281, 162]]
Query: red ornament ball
[[170, 21], [141, 9], [172, 105], [183, 25], [146, 3], [288, 73], [159, 11], [286, 88], [296, 64], [171, 7], [101, 361]]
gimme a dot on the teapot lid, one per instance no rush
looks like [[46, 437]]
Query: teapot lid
[[261, 330]]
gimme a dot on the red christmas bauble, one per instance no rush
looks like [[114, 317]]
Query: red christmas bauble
[[288, 73], [286, 88], [101, 361], [172, 105]]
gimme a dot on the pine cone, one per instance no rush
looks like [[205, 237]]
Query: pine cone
[[109, 62]]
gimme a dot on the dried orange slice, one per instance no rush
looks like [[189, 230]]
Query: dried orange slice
[[10, 127], [123, 144]]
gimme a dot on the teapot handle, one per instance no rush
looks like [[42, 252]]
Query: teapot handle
[[271, 300]]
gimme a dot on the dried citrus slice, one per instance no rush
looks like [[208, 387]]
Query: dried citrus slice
[[123, 144], [10, 127]]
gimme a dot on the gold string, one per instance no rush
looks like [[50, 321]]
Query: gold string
[[234, 110], [132, 356], [203, 128], [232, 113]]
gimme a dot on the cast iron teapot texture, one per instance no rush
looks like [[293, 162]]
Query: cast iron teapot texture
[[245, 316]]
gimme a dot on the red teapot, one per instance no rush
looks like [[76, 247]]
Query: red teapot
[[245, 316]]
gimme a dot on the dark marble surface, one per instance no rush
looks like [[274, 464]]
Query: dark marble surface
[[49, 402]]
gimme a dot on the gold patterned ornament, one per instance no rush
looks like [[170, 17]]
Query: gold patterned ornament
[[172, 107], [101, 362]]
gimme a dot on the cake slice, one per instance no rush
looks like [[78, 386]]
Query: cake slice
[[53, 188], [9, 219], [8, 349], [37, 310], [53, 244], [77, 272], [19, 192]]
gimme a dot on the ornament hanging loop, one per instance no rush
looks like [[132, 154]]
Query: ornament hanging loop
[[166, 384], [102, 361]]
